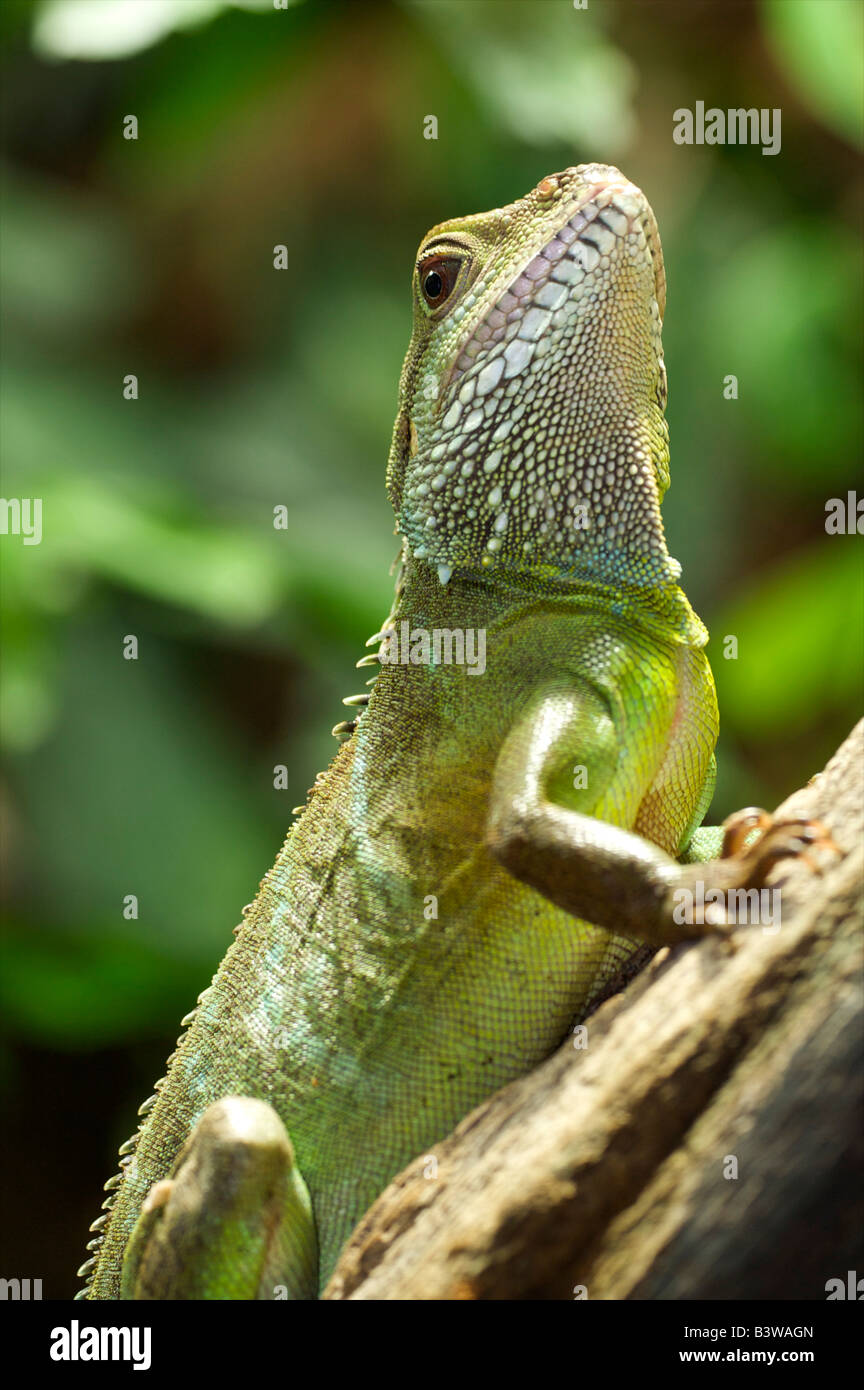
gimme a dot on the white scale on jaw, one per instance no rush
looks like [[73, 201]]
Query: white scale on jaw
[[504, 356]]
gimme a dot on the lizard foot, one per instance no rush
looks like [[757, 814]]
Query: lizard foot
[[796, 838], [720, 895], [232, 1221]]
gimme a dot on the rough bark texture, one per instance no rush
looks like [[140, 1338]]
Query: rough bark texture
[[706, 1143]]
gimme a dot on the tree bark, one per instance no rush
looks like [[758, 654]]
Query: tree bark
[[705, 1143]]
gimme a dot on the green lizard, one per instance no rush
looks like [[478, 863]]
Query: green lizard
[[483, 855]]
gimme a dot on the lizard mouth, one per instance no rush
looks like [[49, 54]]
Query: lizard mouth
[[606, 215]]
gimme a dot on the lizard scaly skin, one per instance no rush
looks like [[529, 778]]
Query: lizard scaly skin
[[485, 851]]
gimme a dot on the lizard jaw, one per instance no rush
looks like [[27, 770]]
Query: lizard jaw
[[607, 200]]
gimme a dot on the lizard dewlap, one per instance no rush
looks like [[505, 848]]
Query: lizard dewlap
[[483, 854]]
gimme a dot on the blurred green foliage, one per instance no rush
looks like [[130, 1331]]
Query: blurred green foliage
[[303, 126]]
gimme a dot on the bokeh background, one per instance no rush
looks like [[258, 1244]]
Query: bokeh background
[[304, 126]]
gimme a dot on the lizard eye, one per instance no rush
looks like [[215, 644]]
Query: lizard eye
[[438, 276]]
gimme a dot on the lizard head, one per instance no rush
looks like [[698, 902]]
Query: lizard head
[[531, 432]]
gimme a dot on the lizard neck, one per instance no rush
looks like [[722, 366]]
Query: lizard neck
[[475, 596]]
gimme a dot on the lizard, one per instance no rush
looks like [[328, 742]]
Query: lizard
[[484, 857]]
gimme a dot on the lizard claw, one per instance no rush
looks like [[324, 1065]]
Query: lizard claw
[[739, 826], [777, 839]]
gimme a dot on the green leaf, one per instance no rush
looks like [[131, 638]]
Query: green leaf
[[118, 28], [797, 364], [543, 72], [800, 644], [819, 43]]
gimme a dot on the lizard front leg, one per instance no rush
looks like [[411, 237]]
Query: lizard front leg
[[234, 1219], [544, 833]]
